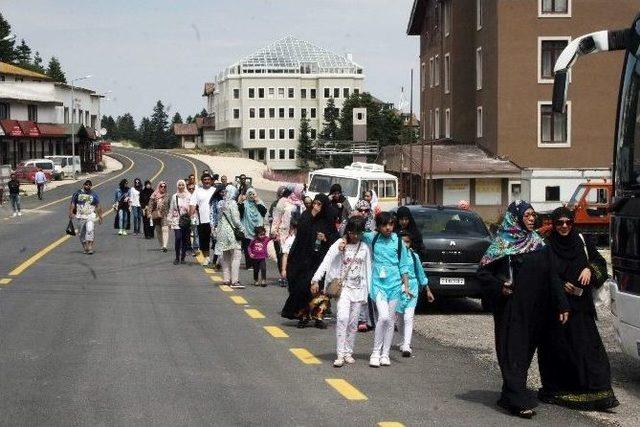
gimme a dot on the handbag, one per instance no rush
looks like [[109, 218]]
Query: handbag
[[71, 230], [600, 292], [184, 221], [237, 233], [335, 286]]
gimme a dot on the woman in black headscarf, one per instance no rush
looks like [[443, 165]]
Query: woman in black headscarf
[[574, 366], [518, 275], [407, 225], [316, 233], [145, 196]]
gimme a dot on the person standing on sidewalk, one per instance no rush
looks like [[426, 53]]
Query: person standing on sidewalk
[[40, 180], [134, 203], [85, 204], [14, 194], [200, 200]]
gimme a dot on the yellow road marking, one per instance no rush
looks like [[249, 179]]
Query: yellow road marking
[[5, 281], [200, 258], [346, 389], [34, 258], [305, 356], [238, 299], [390, 424], [225, 288], [210, 271], [216, 279], [276, 332], [254, 314]]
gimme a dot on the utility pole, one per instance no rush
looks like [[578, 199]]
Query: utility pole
[[73, 133]]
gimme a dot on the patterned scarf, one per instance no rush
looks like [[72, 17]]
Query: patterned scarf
[[252, 217]]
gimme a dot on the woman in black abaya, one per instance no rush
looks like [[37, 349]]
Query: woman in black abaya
[[574, 367], [316, 233]]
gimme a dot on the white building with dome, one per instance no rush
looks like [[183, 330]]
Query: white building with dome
[[258, 102]]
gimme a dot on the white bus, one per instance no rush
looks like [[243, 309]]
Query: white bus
[[354, 180]]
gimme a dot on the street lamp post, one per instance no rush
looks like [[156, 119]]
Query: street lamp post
[[73, 115]]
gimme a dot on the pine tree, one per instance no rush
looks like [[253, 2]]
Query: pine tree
[[144, 133], [7, 47], [159, 124], [177, 118], [203, 113], [330, 126], [23, 54], [126, 127], [109, 124], [189, 119], [37, 63], [54, 70], [305, 145]]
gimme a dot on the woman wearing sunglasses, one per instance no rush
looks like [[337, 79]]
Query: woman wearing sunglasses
[[574, 366]]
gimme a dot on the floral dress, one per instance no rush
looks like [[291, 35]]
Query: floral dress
[[228, 214]]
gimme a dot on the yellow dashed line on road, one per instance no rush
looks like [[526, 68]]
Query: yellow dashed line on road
[[216, 279], [209, 270], [390, 424], [225, 288], [276, 332], [254, 314], [305, 356], [238, 299], [34, 258], [346, 389], [5, 281]]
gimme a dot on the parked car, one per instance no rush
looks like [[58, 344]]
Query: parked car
[[63, 165], [454, 240], [26, 171]]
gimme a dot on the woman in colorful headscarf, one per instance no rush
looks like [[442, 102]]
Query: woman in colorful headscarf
[[519, 277], [227, 246], [252, 213], [363, 210], [286, 209], [574, 366], [159, 207]]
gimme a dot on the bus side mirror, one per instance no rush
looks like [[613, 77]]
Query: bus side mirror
[[560, 88]]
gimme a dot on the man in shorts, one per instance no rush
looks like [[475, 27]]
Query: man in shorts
[[85, 205]]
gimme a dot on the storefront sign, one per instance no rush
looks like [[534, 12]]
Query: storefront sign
[[11, 128], [488, 191], [29, 129], [455, 190]]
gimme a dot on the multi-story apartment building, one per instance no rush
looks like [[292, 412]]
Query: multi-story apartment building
[[487, 77], [258, 102]]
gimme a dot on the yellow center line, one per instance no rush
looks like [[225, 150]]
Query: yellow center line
[[238, 299], [305, 356], [5, 281], [276, 332], [390, 424], [225, 288], [253, 313], [216, 279], [210, 271], [345, 389]]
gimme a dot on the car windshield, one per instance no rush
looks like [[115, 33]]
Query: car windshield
[[449, 223], [44, 165], [322, 183], [577, 196]]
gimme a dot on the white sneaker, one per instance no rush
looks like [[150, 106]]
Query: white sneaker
[[339, 362], [19, 213], [236, 285], [374, 361], [14, 214], [349, 359], [384, 361]]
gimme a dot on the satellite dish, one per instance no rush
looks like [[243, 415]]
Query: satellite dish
[[102, 132]]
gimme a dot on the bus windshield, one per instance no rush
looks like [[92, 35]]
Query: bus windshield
[[322, 183], [628, 153]]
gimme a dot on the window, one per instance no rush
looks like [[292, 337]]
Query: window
[[356, 91], [313, 133], [262, 134], [479, 123], [554, 129], [313, 113], [271, 93], [260, 155], [345, 92], [447, 123], [261, 92], [479, 14], [252, 134], [292, 134], [252, 92], [291, 93], [436, 124], [549, 49], [281, 93], [5, 111], [312, 93], [252, 113], [292, 154], [431, 71], [272, 134], [261, 113], [94, 119], [281, 133], [436, 78], [281, 113], [272, 113], [303, 113], [479, 68], [272, 154], [431, 123], [303, 93], [447, 72], [236, 113], [336, 92], [552, 193], [292, 113], [554, 8], [66, 114], [32, 113], [423, 76], [236, 94], [327, 92], [281, 153], [447, 17]]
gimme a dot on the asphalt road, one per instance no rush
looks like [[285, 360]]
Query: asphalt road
[[124, 337]]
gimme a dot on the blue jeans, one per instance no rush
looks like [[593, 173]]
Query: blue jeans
[[15, 202], [136, 213], [123, 216], [195, 242]]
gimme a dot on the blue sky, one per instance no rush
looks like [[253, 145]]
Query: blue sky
[[148, 50]]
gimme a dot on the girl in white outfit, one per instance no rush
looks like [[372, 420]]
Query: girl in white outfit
[[353, 267]]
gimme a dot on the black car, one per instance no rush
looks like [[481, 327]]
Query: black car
[[454, 242]]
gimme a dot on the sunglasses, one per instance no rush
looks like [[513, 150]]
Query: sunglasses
[[163, 186], [363, 210], [561, 222]]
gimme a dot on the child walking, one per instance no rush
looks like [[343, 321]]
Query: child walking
[[352, 266], [407, 306], [258, 253]]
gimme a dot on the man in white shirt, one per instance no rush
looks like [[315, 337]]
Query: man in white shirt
[[40, 179], [199, 204]]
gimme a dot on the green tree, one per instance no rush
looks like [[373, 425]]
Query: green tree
[[54, 70], [159, 123], [36, 64], [306, 154], [126, 127], [109, 124], [177, 118], [23, 54], [189, 119], [145, 134], [202, 113], [330, 125], [7, 47]]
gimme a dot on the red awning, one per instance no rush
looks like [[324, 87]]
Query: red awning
[[29, 128], [52, 130], [11, 128]]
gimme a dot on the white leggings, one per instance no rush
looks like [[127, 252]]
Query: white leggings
[[405, 327], [346, 325], [384, 326], [162, 231], [231, 265]]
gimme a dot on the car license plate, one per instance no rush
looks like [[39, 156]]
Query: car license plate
[[451, 281]]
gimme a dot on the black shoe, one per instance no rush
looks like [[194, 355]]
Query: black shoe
[[164, 249], [176, 262], [302, 324], [406, 353], [320, 324], [182, 261]]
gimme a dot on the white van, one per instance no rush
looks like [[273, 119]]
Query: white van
[[63, 165], [354, 180]]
